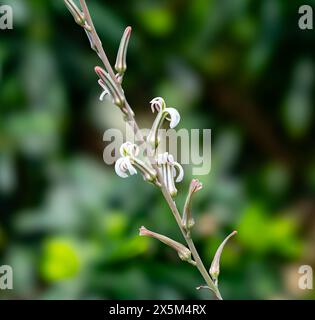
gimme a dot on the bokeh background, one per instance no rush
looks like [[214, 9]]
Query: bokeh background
[[69, 225]]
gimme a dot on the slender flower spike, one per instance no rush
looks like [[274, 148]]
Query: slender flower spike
[[188, 221], [129, 163], [170, 171], [170, 114], [109, 86], [215, 265], [183, 252], [121, 64], [76, 12]]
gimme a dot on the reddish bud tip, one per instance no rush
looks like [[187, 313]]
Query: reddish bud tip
[[99, 71]]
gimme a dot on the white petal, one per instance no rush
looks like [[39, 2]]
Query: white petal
[[160, 159], [103, 94], [129, 148], [175, 117], [130, 167], [170, 159], [157, 103], [135, 150], [105, 90], [118, 168], [180, 175], [123, 165]]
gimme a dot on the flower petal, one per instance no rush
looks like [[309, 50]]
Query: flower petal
[[103, 95], [129, 149], [123, 165], [157, 104], [118, 168], [175, 117], [180, 174], [130, 167], [105, 90]]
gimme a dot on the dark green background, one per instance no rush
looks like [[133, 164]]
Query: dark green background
[[69, 225]]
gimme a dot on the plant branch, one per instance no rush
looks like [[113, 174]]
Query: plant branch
[[96, 40], [132, 122], [189, 241]]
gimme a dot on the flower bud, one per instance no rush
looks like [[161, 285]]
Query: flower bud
[[215, 265], [121, 64], [114, 91], [188, 221], [183, 252], [76, 12]]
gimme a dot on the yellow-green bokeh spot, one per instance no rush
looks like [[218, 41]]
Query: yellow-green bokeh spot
[[60, 260], [159, 21], [115, 224], [263, 232], [130, 248]]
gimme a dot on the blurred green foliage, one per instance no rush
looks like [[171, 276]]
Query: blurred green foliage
[[68, 225]]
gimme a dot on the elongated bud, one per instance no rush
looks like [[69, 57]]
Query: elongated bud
[[149, 174], [183, 252], [215, 265], [76, 12], [121, 60], [111, 86], [153, 137], [188, 221]]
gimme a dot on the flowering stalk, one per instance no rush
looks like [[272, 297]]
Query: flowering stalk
[[161, 170]]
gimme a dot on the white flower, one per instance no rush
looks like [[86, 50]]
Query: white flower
[[127, 164], [129, 149], [170, 171], [157, 104], [123, 165], [169, 114]]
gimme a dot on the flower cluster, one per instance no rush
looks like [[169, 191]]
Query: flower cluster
[[169, 169]]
